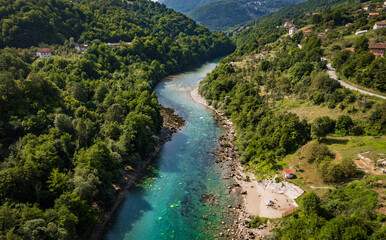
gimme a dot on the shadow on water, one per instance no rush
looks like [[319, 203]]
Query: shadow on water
[[135, 206]]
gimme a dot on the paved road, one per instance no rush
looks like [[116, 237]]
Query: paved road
[[331, 72]]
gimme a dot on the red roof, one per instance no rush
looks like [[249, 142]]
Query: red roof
[[264, 52], [287, 171], [380, 23], [378, 45], [292, 28], [373, 14], [44, 50]]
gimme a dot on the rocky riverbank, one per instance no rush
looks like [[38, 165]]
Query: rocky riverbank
[[171, 124], [252, 194]]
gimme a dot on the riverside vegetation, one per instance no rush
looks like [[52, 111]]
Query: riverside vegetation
[[259, 93], [70, 123]]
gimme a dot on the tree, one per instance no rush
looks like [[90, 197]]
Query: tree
[[64, 123], [361, 44], [321, 127], [316, 152], [343, 124], [348, 167], [57, 182], [310, 203]]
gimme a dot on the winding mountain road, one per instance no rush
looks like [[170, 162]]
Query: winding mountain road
[[332, 74]]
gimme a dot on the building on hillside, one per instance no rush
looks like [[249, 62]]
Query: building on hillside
[[117, 45], [44, 53], [378, 49], [367, 7], [379, 25], [361, 32], [307, 33], [351, 49], [348, 24], [289, 25], [81, 47], [293, 31], [264, 53], [251, 58], [113, 45], [372, 15], [289, 173], [322, 35]]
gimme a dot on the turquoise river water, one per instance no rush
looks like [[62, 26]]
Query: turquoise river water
[[169, 203]]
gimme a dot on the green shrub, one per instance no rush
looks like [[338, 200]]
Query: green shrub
[[316, 152]]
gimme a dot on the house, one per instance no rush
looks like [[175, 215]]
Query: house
[[293, 31], [117, 45], [251, 58], [264, 53], [361, 32], [289, 25], [367, 7], [373, 14], [81, 47], [379, 25], [113, 45], [348, 24], [378, 49], [289, 173], [322, 35], [44, 53], [307, 33], [351, 49]]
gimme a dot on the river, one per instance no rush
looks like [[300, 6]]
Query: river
[[169, 203]]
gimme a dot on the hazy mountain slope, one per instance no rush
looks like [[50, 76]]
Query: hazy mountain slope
[[186, 5], [228, 13]]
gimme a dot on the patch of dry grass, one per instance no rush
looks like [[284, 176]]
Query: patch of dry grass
[[307, 175], [309, 112]]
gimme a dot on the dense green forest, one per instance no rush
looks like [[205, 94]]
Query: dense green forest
[[69, 123], [253, 89]]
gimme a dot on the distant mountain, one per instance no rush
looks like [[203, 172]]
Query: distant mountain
[[186, 6], [222, 14]]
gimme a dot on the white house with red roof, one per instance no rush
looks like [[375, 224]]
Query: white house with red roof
[[289, 173], [44, 53], [293, 31], [379, 25]]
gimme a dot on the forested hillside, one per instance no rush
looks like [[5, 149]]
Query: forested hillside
[[69, 123], [186, 5], [221, 15], [288, 112]]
